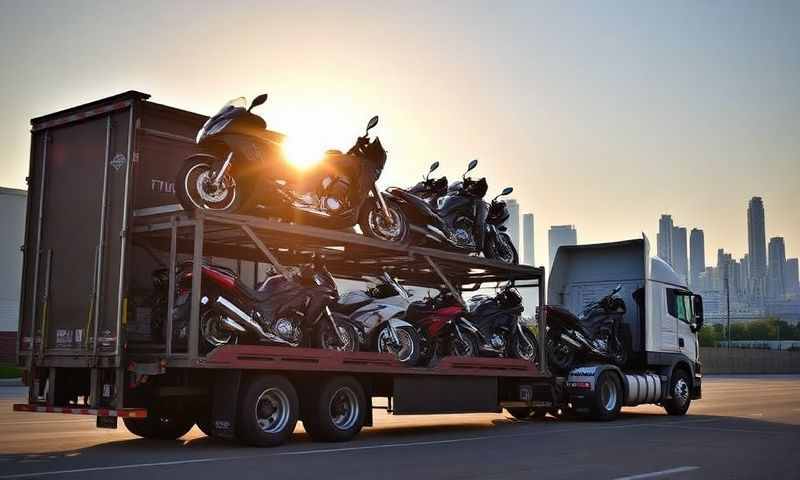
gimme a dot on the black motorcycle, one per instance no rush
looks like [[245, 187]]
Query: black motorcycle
[[461, 221], [499, 329], [595, 334], [244, 169], [294, 311]]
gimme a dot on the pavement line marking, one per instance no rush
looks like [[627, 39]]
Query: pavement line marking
[[334, 450], [724, 429], [659, 473]]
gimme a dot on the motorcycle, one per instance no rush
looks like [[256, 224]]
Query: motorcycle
[[594, 334], [500, 332], [442, 328], [461, 221], [430, 189], [289, 312], [377, 315], [243, 168]]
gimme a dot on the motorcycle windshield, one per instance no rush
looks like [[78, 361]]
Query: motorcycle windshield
[[230, 106]]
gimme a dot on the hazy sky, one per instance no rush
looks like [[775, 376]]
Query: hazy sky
[[601, 114]]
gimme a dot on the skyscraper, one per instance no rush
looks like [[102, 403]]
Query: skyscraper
[[792, 277], [697, 256], [559, 235], [678, 250], [664, 238], [527, 239], [513, 222], [776, 267], [756, 239]]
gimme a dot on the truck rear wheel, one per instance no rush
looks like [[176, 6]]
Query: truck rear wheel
[[607, 400], [337, 412], [159, 426], [268, 411], [680, 392]]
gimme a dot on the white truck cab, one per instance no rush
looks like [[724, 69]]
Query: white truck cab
[[659, 327]]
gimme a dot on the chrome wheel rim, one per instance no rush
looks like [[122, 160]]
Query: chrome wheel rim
[[525, 351], [212, 331], [329, 339], [404, 351], [202, 193], [502, 250], [343, 408], [391, 231], [272, 410], [608, 395], [681, 391]]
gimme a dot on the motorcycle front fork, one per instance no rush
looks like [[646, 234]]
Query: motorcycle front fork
[[335, 327], [225, 166], [382, 202]]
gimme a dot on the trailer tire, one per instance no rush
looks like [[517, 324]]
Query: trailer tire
[[607, 400], [680, 388], [337, 413], [159, 426], [268, 411]]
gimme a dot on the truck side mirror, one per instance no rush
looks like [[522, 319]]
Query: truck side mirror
[[697, 306]]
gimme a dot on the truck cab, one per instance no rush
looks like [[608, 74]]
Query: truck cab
[[660, 325]]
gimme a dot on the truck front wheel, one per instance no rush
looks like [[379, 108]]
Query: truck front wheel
[[680, 393], [338, 412], [268, 411], [607, 400]]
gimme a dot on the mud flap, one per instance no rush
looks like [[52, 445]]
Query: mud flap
[[225, 398]]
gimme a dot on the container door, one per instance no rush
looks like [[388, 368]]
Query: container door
[[76, 266]]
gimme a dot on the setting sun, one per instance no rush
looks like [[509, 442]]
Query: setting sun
[[303, 152]]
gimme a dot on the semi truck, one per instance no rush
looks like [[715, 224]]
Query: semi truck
[[102, 218]]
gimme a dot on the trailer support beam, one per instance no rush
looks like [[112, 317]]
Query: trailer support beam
[[449, 285], [272, 259]]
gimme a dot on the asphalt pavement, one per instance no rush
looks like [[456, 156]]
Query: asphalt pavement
[[744, 427]]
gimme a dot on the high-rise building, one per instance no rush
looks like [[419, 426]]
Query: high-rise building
[[527, 239], [756, 239], [775, 269], [791, 276], [697, 256], [560, 235], [664, 238], [513, 222], [679, 257]]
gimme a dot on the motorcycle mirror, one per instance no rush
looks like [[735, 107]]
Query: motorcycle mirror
[[259, 100], [470, 166], [372, 122], [433, 167], [506, 191]]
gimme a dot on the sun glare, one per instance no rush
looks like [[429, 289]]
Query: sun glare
[[303, 152]]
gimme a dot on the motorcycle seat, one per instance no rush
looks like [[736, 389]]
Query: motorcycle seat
[[349, 308], [262, 294]]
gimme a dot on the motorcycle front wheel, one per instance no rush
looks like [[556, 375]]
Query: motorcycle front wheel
[[328, 340], [195, 188], [526, 350], [501, 248], [465, 345], [560, 356], [407, 350], [374, 222]]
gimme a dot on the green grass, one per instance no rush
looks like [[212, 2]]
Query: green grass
[[10, 371]]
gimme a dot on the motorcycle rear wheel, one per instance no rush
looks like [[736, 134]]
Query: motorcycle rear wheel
[[195, 192]]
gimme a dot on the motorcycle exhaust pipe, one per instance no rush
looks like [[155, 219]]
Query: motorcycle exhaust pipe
[[232, 326], [248, 322], [570, 340]]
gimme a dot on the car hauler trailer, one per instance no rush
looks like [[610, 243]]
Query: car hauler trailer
[[102, 217]]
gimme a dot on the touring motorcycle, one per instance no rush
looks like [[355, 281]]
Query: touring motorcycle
[[461, 220], [243, 168], [377, 314], [294, 311], [430, 189], [594, 334], [500, 330]]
